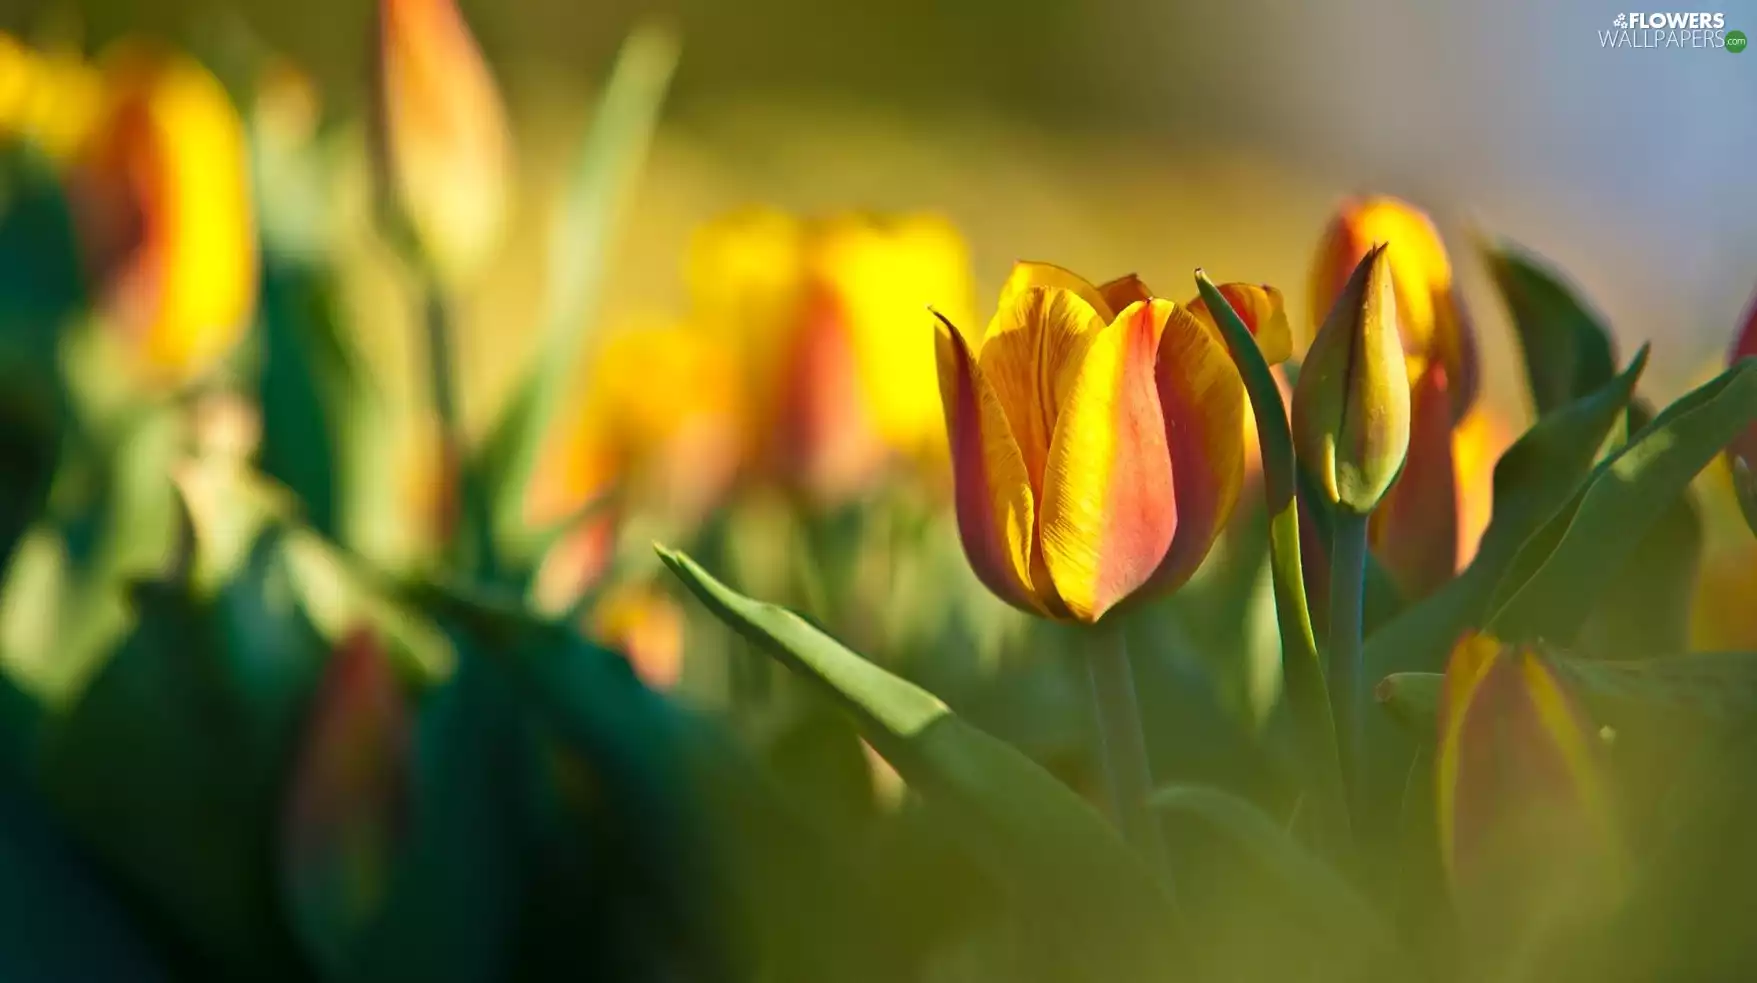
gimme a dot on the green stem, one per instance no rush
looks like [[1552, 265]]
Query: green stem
[[442, 382], [1348, 559], [1128, 775]]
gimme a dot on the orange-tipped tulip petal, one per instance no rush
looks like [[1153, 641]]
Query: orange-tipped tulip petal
[[444, 152], [992, 489], [1109, 507], [348, 799], [1525, 829], [162, 191], [1262, 310], [1204, 404], [1414, 531], [1430, 316], [1742, 452]]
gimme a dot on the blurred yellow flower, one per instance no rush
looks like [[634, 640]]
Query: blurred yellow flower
[[646, 626], [830, 317], [50, 99], [161, 192], [442, 147]]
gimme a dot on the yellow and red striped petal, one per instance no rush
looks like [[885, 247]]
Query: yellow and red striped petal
[[991, 487], [1523, 814], [1262, 310], [1026, 275], [1109, 509], [1742, 452], [1414, 531], [1203, 402], [1030, 354], [1123, 291]]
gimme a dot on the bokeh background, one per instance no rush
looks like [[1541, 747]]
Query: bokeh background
[[1108, 134]]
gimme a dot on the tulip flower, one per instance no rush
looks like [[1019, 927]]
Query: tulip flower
[[161, 193], [1096, 442], [347, 802], [1262, 310], [822, 310], [660, 411], [1414, 531], [647, 627], [1742, 453], [1430, 317], [1526, 834], [442, 149], [1351, 406]]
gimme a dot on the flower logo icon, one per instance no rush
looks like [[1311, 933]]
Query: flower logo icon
[[1621, 21]]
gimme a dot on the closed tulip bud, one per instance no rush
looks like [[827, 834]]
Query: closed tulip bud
[[1351, 405], [440, 140], [1430, 316], [347, 805], [1414, 531], [1096, 450], [1525, 828], [1742, 452], [161, 192]]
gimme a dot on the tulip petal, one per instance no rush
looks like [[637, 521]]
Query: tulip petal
[[1036, 335], [1203, 401], [1414, 531], [991, 488], [1263, 311], [1028, 274], [1109, 505], [1123, 291]]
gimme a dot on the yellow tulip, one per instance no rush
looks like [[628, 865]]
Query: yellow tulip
[[1351, 406], [821, 310], [442, 148], [1096, 442], [161, 190], [1430, 317]]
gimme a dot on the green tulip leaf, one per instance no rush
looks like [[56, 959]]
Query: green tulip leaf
[[1319, 898], [1568, 352], [599, 186], [1090, 906], [1561, 572]]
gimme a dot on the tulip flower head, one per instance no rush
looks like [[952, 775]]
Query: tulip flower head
[[821, 309], [1524, 816], [1430, 316], [1742, 452], [441, 144], [1351, 405], [161, 193], [1096, 442]]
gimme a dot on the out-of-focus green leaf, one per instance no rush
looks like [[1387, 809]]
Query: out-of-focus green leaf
[[608, 815], [1647, 609], [1567, 350], [58, 919], [452, 906], [1562, 571], [579, 254], [1091, 908], [1316, 896], [308, 384], [1533, 480], [163, 768]]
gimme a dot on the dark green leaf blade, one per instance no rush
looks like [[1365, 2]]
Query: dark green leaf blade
[[1088, 901], [1567, 350]]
